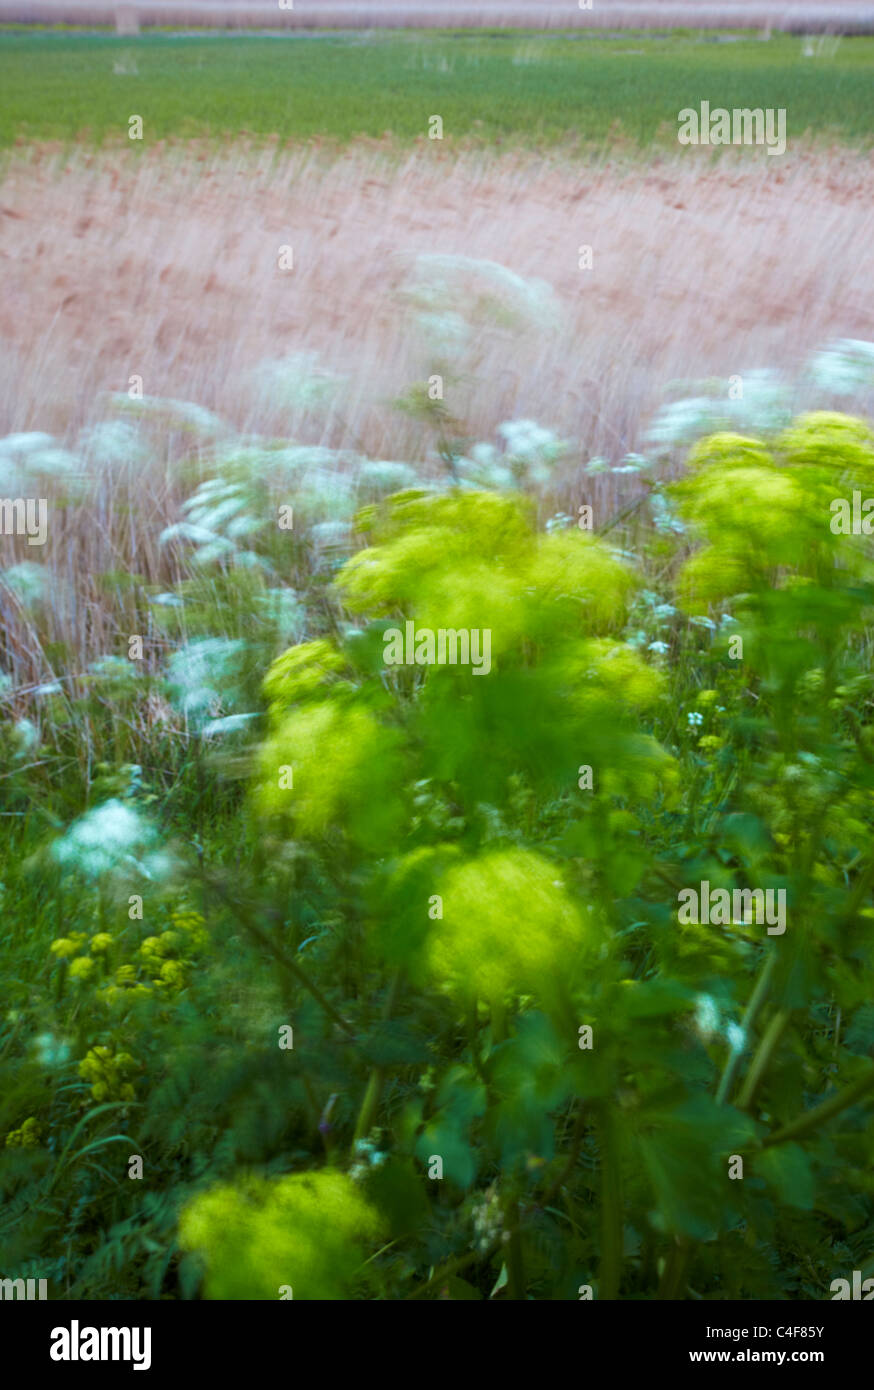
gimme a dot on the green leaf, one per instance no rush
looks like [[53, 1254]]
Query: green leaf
[[652, 998], [443, 1140], [747, 834], [397, 1188], [394, 1044], [463, 1095], [860, 1034], [786, 1168], [685, 1152], [501, 1281]]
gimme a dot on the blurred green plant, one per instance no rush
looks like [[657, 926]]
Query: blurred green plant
[[409, 1011]]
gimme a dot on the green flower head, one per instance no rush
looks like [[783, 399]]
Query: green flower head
[[425, 541], [728, 451], [329, 765], [304, 672], [577, 581], [311, 1231], [66, 946], [825, 439], [508, 924], [80, 969]]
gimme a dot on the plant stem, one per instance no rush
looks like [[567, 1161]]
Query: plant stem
[[772, 1035], [610, 1275], [452, 1268], [805, 1124], [514, 1256], [364, 1123], [558, 1182], [460, 1262], [285, 961], [757, 999], [515, 1259], [674, 1276]]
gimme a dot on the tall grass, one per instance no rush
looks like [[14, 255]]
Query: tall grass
[[166, 269]]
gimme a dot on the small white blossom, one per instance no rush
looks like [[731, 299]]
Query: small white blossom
[[110, 836], [706, 1015], [844, 367], [51, 1051], [201, 673], [26, 736]]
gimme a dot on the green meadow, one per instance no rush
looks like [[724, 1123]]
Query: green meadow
[[529, 89]]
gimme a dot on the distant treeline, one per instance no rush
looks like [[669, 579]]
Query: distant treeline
[[803, 17]]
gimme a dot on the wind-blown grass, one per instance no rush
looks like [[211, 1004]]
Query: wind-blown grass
[[167, 274]]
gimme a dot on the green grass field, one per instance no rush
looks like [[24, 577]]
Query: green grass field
[[528, 89]]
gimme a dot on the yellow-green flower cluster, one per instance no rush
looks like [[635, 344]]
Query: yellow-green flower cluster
[[726, 450], [72, 948], [81, 968], [474, 560], [109, 1074], [508, 925], [840, 445], [764, 514], [28, 1136], [462, 561], [423, 540], [192, 925], [158, 966], [573, 583], [161, 963], [304, 672], [454, 561], [711, 743], [66, 946], [602, 671], [309, 1231], [344, 768]]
